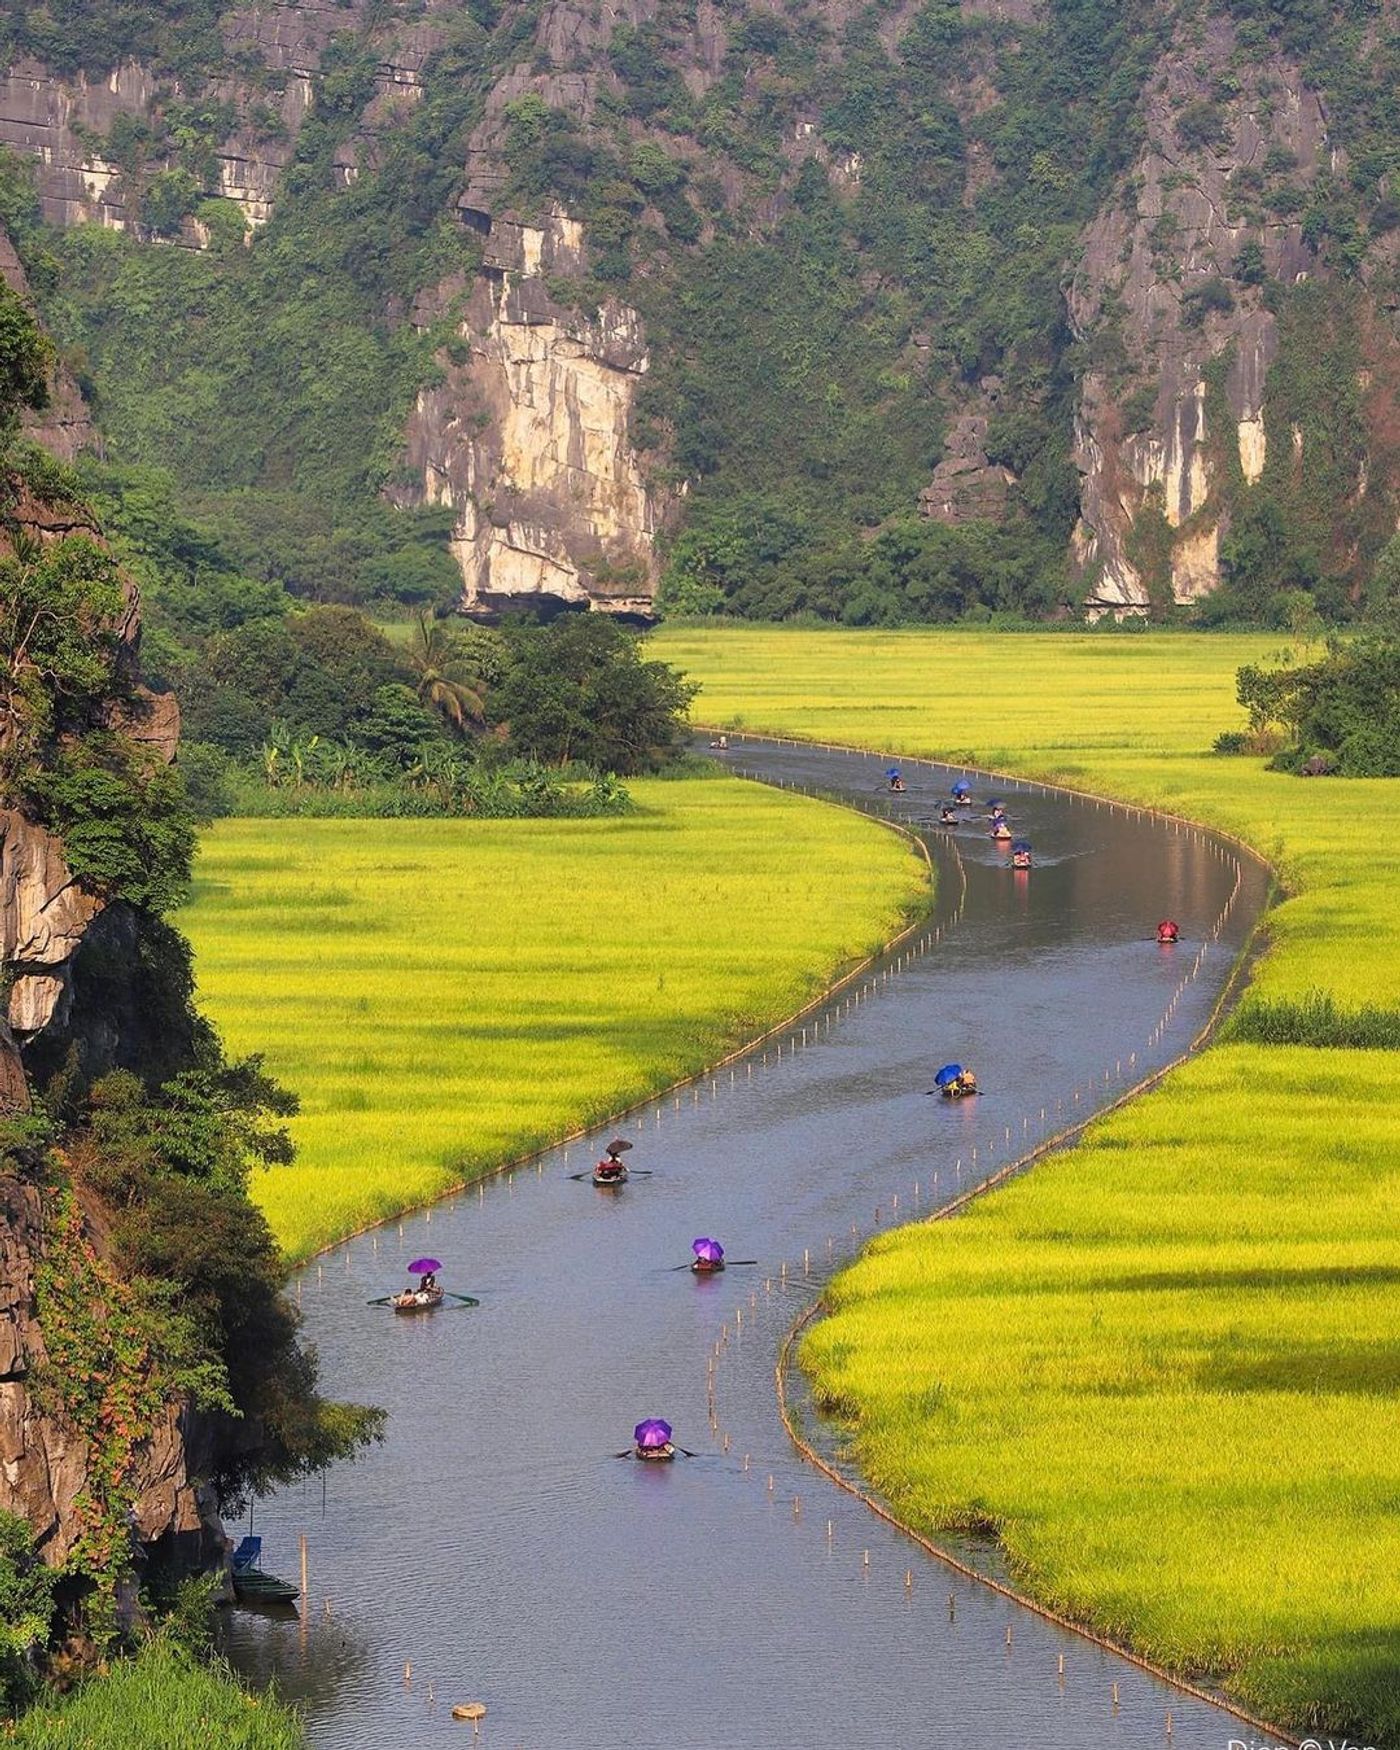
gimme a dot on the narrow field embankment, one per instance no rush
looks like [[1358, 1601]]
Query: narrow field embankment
[[1165, 1367], [446, 995]]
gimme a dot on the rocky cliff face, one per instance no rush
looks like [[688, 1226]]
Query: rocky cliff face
[[1172, 293], [966, 485], [528, 439], [44, 913], [47, 1466], [64, 427], [1165, 288], [50, 1467]]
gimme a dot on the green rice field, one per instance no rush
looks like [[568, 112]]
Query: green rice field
[[1164, 1366], [445, 995]]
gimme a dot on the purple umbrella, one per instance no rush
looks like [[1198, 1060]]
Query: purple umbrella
[[424, 1267], [708, 1251], [652, 1432]]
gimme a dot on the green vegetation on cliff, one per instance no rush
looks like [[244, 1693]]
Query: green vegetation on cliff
[[157, 1284], [839, 238], [1162, 1364]]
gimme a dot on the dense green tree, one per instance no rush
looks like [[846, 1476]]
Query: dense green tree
[[580, 690], [1341, 714]]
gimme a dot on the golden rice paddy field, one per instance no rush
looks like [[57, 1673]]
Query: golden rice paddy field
[[445, 995], [1165, 1366]]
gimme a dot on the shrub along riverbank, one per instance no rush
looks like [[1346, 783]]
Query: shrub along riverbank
[[1164, 1366], [162, 1699], [443, 995]]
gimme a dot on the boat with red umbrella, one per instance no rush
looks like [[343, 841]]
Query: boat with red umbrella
[[1168, 931], [709, 1257], [652, 1441]]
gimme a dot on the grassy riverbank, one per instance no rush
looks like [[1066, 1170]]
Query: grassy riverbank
[[162, 1699], [1165, 1365], [446, 994]]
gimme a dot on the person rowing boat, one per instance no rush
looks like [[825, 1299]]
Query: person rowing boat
[[652, 1441], [709, 1257], [612, 1169], [427, 1294]]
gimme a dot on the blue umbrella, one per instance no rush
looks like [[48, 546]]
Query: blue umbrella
[[891, 771], [949, 1073], [962, 788], [652, 1432], [1020, 844]]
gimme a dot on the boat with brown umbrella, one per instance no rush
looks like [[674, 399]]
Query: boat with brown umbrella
[[612, 1169]]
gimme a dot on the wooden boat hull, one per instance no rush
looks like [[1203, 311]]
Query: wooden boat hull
[[260, 1588], [656, 1454], [612, 1180], [701, 1268], [417, 1303]]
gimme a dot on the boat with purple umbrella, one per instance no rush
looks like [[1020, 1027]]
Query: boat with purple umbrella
[[652, 1441], [709, 1257], [429, 1292]]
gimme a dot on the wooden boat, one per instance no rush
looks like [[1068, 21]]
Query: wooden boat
[[957, 1091], [612, 1178], [1001, 832], [252, 1586], [707, 1266], [415, 1300], [1020, 859], [655, 1454]]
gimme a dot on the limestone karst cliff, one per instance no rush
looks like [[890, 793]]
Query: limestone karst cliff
[[1000, 264], [147, 1352], [529, 439], [1161, 289]]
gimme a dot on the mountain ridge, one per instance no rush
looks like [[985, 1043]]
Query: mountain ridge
[[929, 308]]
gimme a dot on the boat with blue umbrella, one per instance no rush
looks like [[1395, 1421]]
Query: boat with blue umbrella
[[962, 793], [895, 779], [954, 1082], [1020, 853]]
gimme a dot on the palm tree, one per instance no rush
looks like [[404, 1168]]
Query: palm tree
[[442, 680]]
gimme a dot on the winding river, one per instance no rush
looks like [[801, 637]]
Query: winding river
[[494, 1549]]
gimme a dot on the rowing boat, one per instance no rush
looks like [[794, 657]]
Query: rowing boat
[[414, 1300]]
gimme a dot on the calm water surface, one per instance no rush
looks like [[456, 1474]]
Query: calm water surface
[[735, 1598]]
